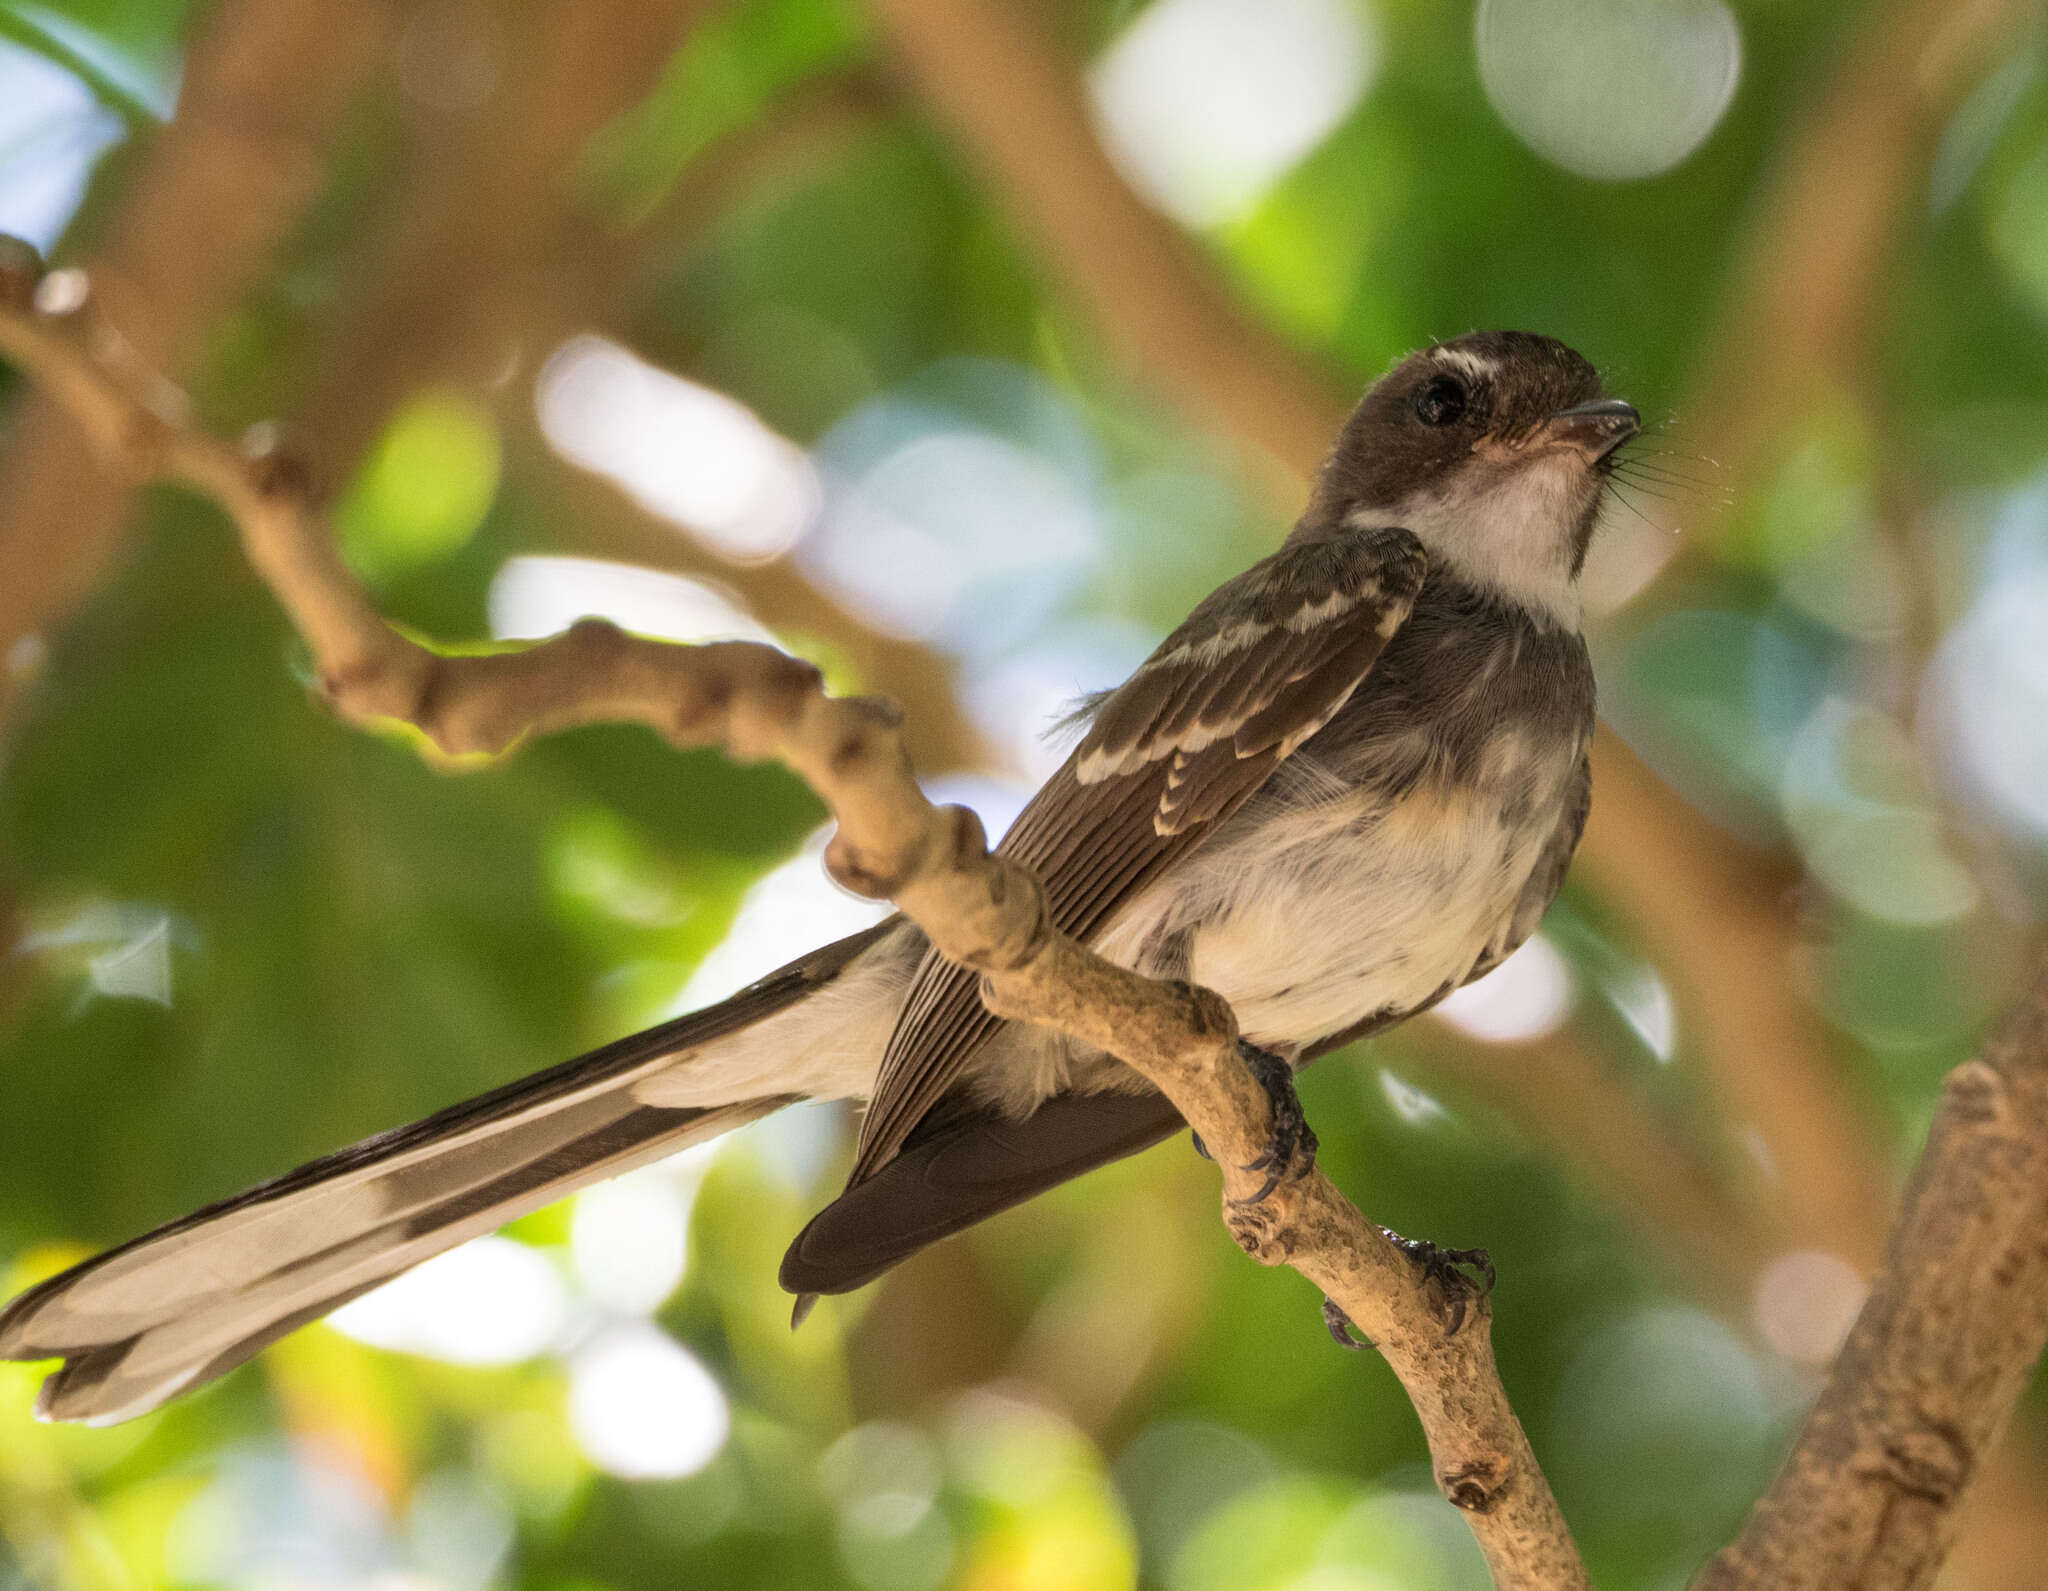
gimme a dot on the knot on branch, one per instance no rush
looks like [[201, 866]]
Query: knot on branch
[[1932, 1462], [1476, 1485], [1015, 923], [376, 687], [756, 696], [1265, 1230], [1974, 1095]]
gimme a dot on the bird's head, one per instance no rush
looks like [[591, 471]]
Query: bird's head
[[1494, 449]]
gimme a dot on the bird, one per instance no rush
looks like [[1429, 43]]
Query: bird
[[1348, 784]]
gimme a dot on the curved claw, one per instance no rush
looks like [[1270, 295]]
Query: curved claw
[[1446, 1267], [1291, 1144], [1343, 1329]]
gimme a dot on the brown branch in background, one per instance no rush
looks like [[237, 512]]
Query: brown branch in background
[[491, 194], [1929, 1377], [265, 87], [980, 910], [1813, 268], [1018, 113]]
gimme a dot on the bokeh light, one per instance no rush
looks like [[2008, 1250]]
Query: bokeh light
[[642, 1407], [1525, 997], [492, 1301], [629, 1238], [1611, 89], [52, 131], [693, 456], [533, 597], [962, 509], [1987, 689], [1806, 1302], [1204, 103]]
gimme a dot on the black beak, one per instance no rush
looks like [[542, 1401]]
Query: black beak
[[1595, 429]]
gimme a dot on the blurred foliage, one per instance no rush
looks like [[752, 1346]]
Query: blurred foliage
[[249, 934]]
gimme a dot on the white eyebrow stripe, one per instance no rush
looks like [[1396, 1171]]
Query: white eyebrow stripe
[[1474, 365]]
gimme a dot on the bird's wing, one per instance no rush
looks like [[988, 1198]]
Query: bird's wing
[[1263, 663]]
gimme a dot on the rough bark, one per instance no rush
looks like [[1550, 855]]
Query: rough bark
[[1926, 1383]]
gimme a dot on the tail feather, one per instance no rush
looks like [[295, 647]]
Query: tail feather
[[193, 1299]]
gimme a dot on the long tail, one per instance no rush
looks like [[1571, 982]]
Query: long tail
[[192, 1300]]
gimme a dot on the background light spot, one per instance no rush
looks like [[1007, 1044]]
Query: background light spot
[[492, 1301], [427, 487], [1525, 997], [642, 1407], [628, 1240], [696, 457], [535, 597], [1610, 89], [1205, 103], [1806, 1302], [52, 131]]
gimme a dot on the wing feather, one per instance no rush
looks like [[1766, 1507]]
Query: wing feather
[[1259, 666]]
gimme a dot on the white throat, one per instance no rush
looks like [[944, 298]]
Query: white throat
[[1505, 528]]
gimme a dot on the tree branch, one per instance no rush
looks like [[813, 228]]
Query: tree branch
[[981, 910], [1937, 1360], [481, 226], [264, 89]]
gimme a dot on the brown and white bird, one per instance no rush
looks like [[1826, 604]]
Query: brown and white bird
[[1348, 784]]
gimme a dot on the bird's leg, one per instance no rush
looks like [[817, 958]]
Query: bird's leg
[[1291, 1134], [1447, 1267]]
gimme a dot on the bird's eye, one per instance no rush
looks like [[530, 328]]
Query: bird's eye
[[1441, 401]]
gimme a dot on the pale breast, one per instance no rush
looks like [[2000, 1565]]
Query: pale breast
[[1313, 919]]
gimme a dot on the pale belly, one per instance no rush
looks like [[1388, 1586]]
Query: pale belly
[[1307, 924], [1322, 918]]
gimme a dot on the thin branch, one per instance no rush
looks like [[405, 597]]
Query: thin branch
[[1937, 1360], [264, 89], [982, 911], [478, 230]]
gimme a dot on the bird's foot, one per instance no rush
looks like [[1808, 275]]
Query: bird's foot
[[1342, 1328], [1291, 1138], [1461, 1274]]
